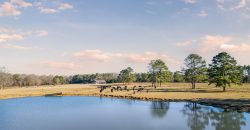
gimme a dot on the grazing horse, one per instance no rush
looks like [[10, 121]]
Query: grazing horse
[[134, 88], [114, 88], [119, 88], [101, 90], [126, 87], [140, 89]]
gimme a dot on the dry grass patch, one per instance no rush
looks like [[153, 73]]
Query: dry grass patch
[[167, 91]]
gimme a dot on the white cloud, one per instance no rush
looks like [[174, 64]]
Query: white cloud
[[215, 39], [55, 7], [7, 9], [11, 7], [211, 43], [47, 10], [64, 6], [241, 4], [6, 30], [97, 55], [10, 37], [100, 56], [190, 1], [241, 7], [229, 5], [202, 13], [18, 47], [216, 43], [42, 33], [236, 48], [9, 34], [21, 3], [58, 65], [148, 56]]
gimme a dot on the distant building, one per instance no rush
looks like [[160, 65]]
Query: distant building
[[99, 82]]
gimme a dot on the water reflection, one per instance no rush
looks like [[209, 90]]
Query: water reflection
[[159, 109], [199, 117], [227, 120], [84, 113]]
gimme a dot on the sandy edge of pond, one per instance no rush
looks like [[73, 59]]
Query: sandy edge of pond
[[234, 99]]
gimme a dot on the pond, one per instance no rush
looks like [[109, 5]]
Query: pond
[[95, 113]]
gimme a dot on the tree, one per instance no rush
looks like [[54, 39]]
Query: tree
[[224, 71], [158, 72], [246, 73], [142, 77], [126, 75], [31, 80], [46, 80], [5, 80], [195, 70], [17, 80], [178, 77], [59, 80]]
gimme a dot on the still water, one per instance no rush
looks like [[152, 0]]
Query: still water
[[94, 113]]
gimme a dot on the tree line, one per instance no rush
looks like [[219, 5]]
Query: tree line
[[223, 71]]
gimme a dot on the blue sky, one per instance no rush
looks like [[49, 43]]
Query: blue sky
[[89, 36]]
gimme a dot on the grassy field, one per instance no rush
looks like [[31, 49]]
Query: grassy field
[[169, 91]]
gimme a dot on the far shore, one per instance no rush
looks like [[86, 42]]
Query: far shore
[[235, 98]]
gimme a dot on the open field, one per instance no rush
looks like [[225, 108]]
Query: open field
[[167, 91]]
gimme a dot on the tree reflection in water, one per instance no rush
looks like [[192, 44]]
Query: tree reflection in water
[[159, 109], [227, 120], [199, 117]]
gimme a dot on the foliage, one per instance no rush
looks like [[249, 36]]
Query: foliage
[[246, 74], [59, 80], [20, 80], [158, 72], [224, 71], [126, 75], [178, 77], [195, 70], [142, 77]]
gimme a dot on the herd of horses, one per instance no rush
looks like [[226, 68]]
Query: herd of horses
[[121, 88]]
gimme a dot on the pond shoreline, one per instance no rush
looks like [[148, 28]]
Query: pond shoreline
[[240, 105]]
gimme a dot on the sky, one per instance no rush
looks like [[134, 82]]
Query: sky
[[68, 37]]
